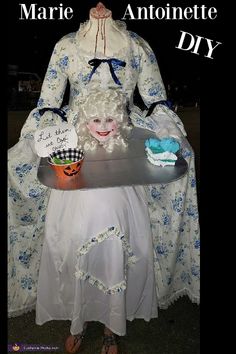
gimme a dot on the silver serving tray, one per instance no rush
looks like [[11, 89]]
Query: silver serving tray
[[122, 167]]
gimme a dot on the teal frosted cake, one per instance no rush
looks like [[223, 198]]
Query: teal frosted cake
[[162, 152]]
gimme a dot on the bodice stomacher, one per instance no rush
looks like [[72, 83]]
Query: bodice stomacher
[[110, 63], [95, 63]]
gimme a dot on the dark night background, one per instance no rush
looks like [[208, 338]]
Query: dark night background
[[30, 42]]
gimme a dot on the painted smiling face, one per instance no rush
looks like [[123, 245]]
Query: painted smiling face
[[102, 128]]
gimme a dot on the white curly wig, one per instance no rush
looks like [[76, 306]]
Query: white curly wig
[[99, 103]]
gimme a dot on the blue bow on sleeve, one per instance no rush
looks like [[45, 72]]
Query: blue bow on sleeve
[[58, 111]]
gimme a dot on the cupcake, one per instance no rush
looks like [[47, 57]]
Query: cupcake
[[162, 152]]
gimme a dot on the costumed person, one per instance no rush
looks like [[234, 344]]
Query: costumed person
[[97, 259], [103, 54]]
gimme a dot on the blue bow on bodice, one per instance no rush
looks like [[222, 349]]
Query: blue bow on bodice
[[96, 62]]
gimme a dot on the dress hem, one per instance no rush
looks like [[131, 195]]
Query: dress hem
[[96, 320], [20, 312], [162, 304]]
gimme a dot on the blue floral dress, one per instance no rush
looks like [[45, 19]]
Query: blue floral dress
[[172, 207]]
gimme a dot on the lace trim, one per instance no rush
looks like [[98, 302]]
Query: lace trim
[[172, 115], [165, 303], [102, 236], [99, 284], [123, 53], [162, 303], [16, 313]]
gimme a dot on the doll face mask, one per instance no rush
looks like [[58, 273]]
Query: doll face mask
[[102, 128]]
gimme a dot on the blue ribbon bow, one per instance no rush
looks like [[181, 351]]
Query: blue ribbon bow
[[58, 111], [166, 103], [96, 62]]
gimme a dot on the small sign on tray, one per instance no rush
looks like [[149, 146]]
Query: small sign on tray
[[53, 138]]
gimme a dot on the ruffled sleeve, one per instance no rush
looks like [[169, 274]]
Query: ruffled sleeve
[[163, 121]]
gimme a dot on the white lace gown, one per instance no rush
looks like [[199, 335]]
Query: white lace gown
[[97, 259]]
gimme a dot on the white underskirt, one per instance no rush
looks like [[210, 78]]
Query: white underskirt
[[97, 259]]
